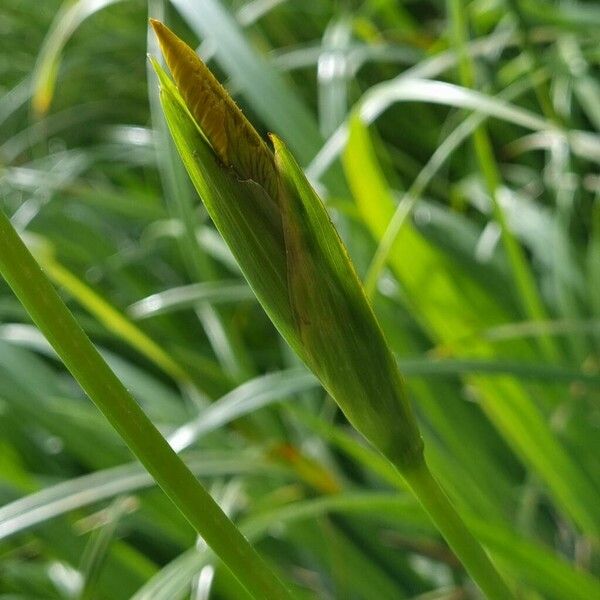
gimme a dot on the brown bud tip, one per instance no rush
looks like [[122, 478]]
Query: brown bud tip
[[231, 135]]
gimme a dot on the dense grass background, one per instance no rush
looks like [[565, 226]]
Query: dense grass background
[[457, 147]]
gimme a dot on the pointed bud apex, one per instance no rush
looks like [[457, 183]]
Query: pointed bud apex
[[235, 141]]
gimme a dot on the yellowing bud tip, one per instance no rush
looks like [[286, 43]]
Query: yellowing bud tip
[[234, 140]]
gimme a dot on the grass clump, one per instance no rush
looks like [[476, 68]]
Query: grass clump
[[455, 147]]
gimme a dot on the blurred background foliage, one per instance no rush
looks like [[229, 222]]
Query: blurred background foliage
[[457, 147]]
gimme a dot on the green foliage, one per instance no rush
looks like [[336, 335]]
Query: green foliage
[[510, 424]]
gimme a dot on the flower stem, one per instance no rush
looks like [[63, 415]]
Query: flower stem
[[437, 505], [75, 349]]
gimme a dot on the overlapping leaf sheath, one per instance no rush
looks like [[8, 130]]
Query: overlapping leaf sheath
[[288, 249]]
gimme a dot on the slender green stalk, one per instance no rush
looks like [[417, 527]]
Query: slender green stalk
[[437, 505], [55, 321]]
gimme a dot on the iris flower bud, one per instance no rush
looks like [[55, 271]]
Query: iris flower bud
[[288, 250]]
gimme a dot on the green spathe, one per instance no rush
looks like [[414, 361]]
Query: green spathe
[[343, 342], [296, 264], [246, 217]]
